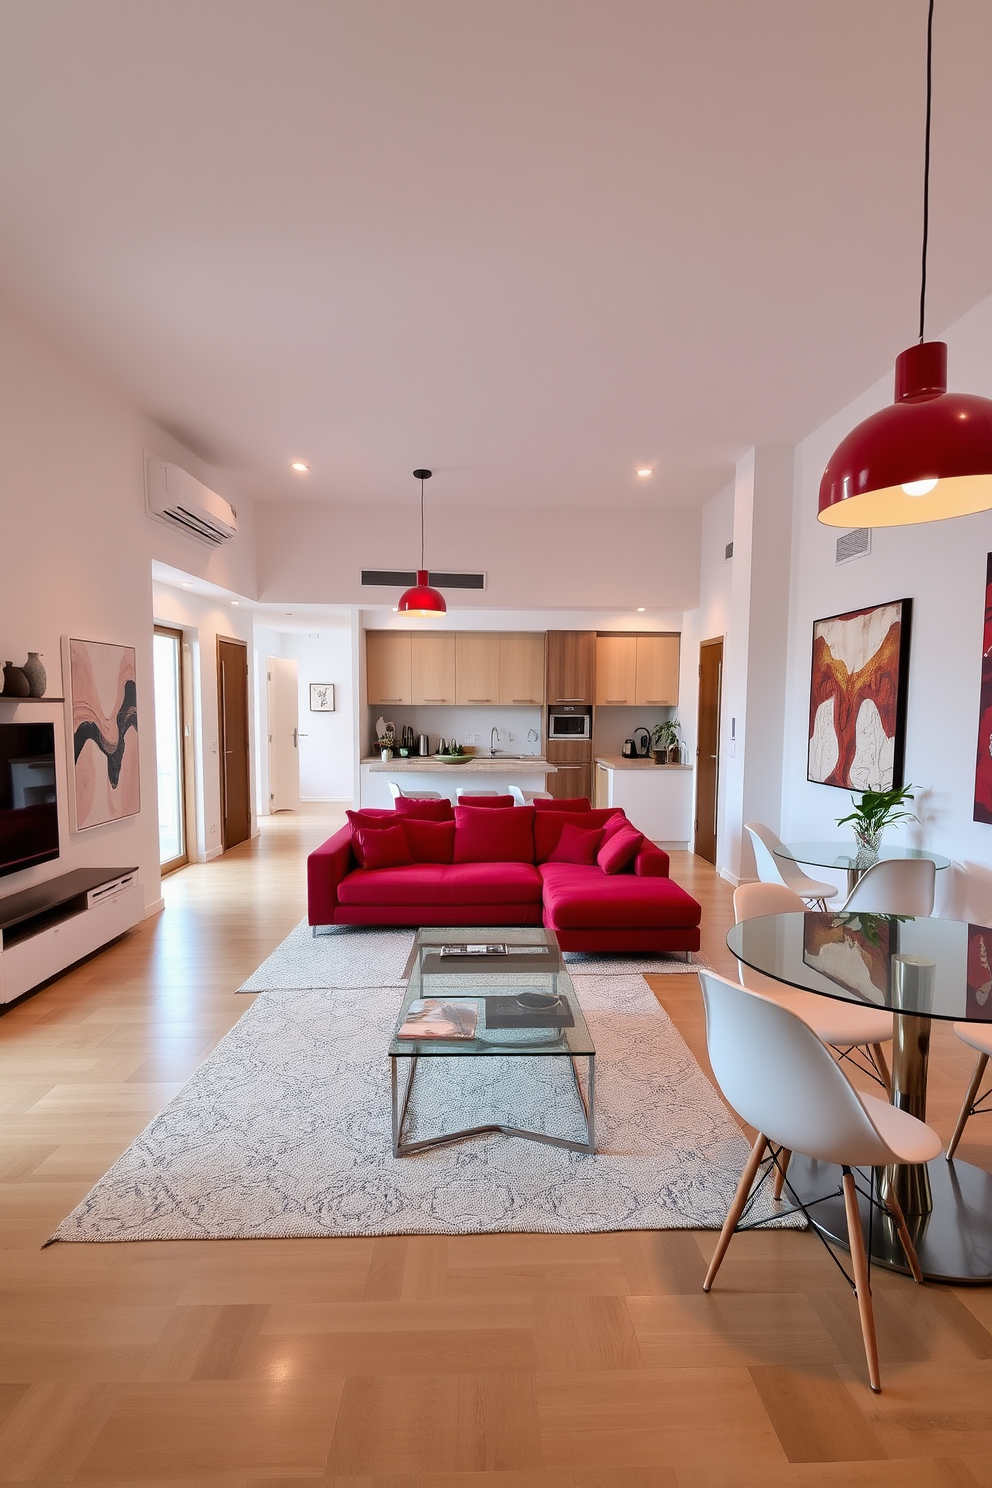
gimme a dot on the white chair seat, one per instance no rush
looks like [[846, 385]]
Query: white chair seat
[[834, 1022], [911, 1140], [810, 888], [978, 1035]]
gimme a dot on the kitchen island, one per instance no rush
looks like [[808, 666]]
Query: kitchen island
[[657, 797], [425, 773]]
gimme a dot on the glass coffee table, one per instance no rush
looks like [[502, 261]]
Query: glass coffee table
[[504, 986]]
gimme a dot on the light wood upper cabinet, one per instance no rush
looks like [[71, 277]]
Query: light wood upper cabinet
[[571, 665], [616, 668], [521, 668], [388, 666], [433, 668], [657, 670], [476, 667]]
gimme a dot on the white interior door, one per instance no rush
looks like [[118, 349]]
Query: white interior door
[[284, 720]]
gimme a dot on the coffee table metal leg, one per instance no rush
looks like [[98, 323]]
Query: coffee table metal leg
[[399, 1111]]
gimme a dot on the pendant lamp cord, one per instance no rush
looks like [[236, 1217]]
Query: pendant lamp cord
[[926, 174], [422, 565]]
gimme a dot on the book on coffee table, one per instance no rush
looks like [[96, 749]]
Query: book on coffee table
[[429, 1017], [509, 1012], [471, 949]]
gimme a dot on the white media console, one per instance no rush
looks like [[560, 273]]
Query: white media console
[[45, 929]]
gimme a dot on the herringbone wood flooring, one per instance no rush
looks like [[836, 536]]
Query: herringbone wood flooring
[[508, 1361]]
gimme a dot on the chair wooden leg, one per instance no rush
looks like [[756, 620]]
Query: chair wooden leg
[[883, 1068], [969, 1101], [895, 1209], [737, 1208], [859, 1261], [784, 1158]]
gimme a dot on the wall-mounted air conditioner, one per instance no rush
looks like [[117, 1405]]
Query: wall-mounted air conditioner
[[175, 497]]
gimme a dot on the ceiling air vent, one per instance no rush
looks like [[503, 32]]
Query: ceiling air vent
[[404, 578], [854, 544], [728, 551]]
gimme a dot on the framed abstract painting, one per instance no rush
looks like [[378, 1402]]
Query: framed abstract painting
[[102, 708], [983, 763], [857, 697]]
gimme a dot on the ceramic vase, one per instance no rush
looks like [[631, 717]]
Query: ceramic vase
[[35, 673], [15, 684]]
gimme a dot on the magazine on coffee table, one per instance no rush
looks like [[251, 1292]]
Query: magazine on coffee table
[[471, 949], [430, 1017]]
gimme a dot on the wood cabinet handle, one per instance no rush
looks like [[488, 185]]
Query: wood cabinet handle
[[480, 700], [523, 700], [616, 700], [390, 700], [433, 700], [660, 702], [569, 700]]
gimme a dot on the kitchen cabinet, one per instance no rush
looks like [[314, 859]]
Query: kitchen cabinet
[[432, 668], [571, 665], [656, 670], [476, 667], [388, 666], [573, 758], [521, 668], [616, 669]]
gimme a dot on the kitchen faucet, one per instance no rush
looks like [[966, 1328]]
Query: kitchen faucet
[[493, 741]]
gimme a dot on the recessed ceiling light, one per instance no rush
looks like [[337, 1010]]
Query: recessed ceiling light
[[300, 466], [641, 609], [186, 584], [645, 472], [235, 601]]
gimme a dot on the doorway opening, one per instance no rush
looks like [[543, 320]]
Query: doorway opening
[[171, 738], [235, 788], [708, 748]]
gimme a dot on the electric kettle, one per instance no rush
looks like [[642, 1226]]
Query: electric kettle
[[629, 750]]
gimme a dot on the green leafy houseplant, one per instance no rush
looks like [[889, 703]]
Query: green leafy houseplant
[[875, 811], [665, 736]]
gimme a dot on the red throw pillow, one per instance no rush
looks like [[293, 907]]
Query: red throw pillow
[[494, 836], [489, 801], [380, 847], [614, 824], [620, 850], [567, 803], [372, 816], [549, 825], [575, 845], [430, 841], [424, 810]]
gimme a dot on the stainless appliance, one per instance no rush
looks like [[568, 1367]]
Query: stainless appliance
[[629, 750], [642, 747], [569, 723], [424, 744]]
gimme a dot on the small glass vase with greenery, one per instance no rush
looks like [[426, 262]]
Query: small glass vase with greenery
[[876, 810], [665, 744]]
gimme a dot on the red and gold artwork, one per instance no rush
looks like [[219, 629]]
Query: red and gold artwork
[[857, 705]]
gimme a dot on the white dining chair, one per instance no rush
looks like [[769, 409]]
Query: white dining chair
[[978, 1036], [779, 1078], [524, 798], [396, 791], [897, 886], [772, 869]]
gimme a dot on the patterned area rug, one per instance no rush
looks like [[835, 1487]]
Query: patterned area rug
[[370, 956], [285, 1131]]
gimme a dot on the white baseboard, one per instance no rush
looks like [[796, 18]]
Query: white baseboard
[[154, 908], [731, 877], [213, 852], [325, 800]]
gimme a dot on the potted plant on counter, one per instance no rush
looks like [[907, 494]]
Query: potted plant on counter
[[876, 810], [665, 744]]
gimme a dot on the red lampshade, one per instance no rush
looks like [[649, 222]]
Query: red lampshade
[[927, 457], [422, 599]]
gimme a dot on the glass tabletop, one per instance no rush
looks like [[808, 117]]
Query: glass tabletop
[[933, 968], [842, 854], [500, 967]]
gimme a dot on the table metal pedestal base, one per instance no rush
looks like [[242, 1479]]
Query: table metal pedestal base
[[953, 1242]]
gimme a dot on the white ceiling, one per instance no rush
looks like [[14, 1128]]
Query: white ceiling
[[530, 243]]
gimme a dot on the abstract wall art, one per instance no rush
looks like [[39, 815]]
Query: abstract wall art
[[983, 765], [321, 697], [857, 701], [103, 711]]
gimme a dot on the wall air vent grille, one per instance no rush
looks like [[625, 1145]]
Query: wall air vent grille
[[402, 578], [856, 544], [728, 551]]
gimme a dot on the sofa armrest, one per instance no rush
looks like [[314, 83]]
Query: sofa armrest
[[651, 862], [327, 865]]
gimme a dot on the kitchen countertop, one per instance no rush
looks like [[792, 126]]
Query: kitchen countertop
[[617, 762], [478, 765]]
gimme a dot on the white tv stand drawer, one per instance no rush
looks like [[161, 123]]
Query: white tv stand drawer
[[53, 947]]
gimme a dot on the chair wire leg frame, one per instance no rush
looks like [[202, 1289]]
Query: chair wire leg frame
[[400, 1102]]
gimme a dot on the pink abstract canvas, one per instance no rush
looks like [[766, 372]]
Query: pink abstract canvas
[[103, 701]]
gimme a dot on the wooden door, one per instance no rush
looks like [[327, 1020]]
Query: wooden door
[[235, 775], [708, 748], [616, 660], [433, 668], [573, 776], [476, 667], [571, 666], [657, 673], [521, 668], [387, 666]]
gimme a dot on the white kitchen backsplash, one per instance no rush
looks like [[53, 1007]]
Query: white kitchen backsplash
[[470, 726]]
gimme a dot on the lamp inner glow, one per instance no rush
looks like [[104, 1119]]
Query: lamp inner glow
[[919, 487]]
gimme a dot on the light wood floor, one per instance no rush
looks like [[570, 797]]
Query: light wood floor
[[508, 1361]]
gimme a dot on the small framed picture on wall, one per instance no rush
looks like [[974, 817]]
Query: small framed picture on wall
[[321, 697]]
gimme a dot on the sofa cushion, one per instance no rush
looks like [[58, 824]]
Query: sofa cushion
[[409, 806], [494, 836], [488, 801], [577, 844], [437, 883], [566, 803], [430, 841], [619, 851], [548, 826], [382, 847], [586, 899], [370, 820]]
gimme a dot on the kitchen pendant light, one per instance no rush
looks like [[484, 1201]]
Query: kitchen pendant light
[[929, 455], [422, 601]]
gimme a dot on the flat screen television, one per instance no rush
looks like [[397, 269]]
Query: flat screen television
[[29, 812]]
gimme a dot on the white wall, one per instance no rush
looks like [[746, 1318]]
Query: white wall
[[327, 743]]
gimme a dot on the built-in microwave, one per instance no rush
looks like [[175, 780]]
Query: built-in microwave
[[569, 723]]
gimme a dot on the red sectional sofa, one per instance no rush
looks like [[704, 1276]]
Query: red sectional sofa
[[588, 875]]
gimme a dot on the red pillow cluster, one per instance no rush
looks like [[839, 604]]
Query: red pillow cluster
[[380, 841]]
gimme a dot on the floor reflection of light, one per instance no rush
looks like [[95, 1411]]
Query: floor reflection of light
[[281, 1369]]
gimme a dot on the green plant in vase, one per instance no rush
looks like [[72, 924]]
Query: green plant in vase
[[665, 744], [876, 810]]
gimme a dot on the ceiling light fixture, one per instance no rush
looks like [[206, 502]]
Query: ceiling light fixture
[[645, 472], [235, 601], [929, 454], [300, 466], [422, 600], [641, 609]]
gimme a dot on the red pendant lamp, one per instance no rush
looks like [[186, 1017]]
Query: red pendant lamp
[[422, 601], [929, 455]]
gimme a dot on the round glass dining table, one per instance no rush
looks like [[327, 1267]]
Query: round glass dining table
[[920, 969], [844, 856]]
